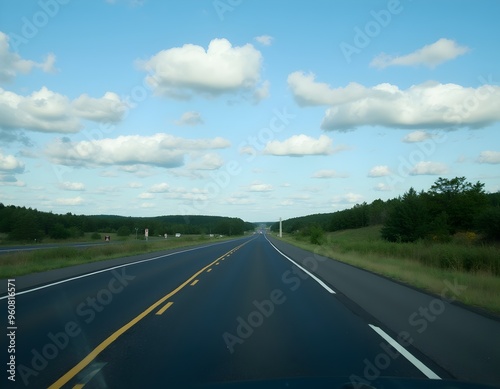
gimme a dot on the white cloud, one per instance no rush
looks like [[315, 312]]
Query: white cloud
[[180, 72], [146, 195], [135, 185], [428, 105], [307, 92], [382, 187], [416, 136], [265, 40], [492, 157], [10, 164], [259, 187], [300, 145], [429, 168], [161, 150], [108, 108], [262, 92], [379, 171], [74, 186], [160, 188], [48, 111], [348, 198], [190, 118], [209, 161], [430, 55], [13, 64], [70, 201], [328, 174]]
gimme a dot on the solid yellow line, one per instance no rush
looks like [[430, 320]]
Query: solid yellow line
[[167, 305], [79, 386], [194, 282], [110, 339]]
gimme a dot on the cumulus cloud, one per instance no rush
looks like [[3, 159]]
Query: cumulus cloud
[[70, 201], [416, 136], [300, 145], [492, 157], [348, 198], [190, 118], [430, 55], [10, 164], [160, 150], [182, 72], [259, 187], [74, 186], [208, 161], [307, 92], [328, 174], [379, 171], [48, 111], [382, 187], [265, 40], [109, 108], [429, 168], [428, 105], [13, 64]]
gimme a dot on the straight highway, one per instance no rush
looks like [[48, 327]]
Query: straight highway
[[249, 309]]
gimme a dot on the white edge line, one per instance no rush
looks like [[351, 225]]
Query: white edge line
[[107, 269], [419, 365], [304, 270]]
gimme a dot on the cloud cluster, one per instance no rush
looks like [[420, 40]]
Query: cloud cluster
[[160, 150], [427, 105], [10, 164], [300, 145], [181, 72], [12, 64], [430, 55], [48, 111], [190, 118]]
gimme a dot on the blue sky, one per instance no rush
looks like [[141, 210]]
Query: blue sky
[[252, 109]]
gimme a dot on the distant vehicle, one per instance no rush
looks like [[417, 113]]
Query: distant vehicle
[[178, 235]]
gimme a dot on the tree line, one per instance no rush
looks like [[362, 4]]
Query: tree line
[[448, 207], [27, 224]]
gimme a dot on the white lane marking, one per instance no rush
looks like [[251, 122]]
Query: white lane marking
[[108, 269], [419, 365], [304, 270]]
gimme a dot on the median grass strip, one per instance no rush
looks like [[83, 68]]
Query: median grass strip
[[422, 264], [27, 262]]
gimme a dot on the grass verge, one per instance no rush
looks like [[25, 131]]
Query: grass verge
[[27, 262], [417, 264]]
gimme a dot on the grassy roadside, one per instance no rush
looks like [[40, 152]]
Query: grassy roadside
[[410, 264], [27, 262]]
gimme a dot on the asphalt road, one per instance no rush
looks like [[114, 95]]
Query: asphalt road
[[242, 310]]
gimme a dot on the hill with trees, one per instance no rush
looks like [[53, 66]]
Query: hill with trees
[[26, 224], [450, 206]]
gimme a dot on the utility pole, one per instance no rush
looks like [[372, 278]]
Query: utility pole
[[281, 229]]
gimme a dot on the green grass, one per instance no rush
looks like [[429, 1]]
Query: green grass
[[421, 264], [27, 262]]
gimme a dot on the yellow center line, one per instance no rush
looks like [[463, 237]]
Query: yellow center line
[[209, 270], [110, 339], [167, 305], [194, 282]]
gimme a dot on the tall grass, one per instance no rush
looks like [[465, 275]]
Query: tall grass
[[26, 262], [422, 264]]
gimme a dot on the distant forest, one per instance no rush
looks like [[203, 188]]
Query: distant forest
[[449, 207], [26, 224]]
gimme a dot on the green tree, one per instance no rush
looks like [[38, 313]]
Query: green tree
[[408, 220]]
